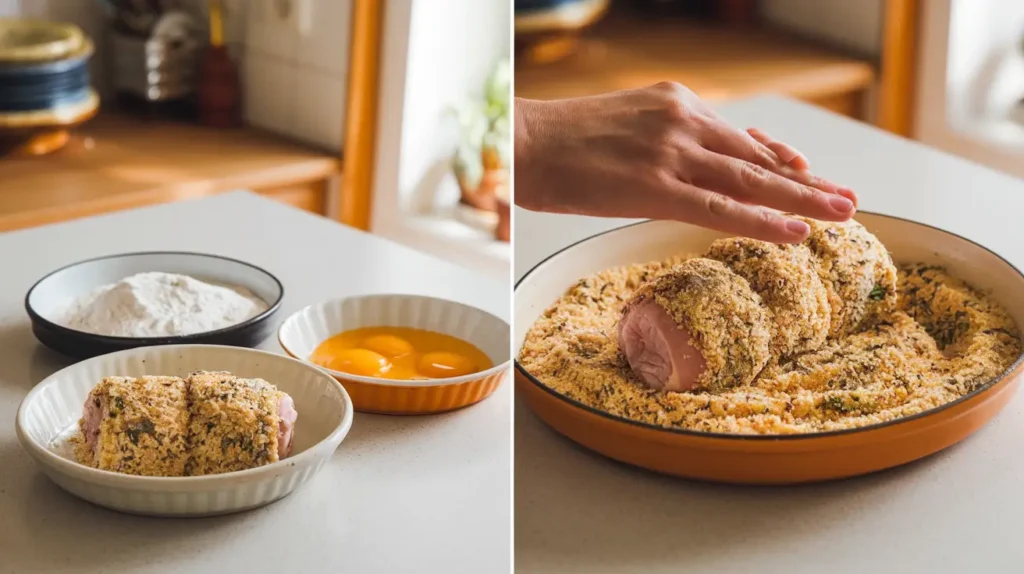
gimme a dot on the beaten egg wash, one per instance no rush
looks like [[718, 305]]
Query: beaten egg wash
[[400, 353]]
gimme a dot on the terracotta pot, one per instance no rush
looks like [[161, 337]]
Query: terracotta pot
[[503, 231], [483, 196]]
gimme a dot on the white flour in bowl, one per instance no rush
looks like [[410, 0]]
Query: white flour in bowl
[[160, 305]]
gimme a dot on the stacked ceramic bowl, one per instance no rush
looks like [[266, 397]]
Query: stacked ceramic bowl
[[44, 84]]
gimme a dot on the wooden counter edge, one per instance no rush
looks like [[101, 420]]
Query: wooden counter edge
[[303, 172]]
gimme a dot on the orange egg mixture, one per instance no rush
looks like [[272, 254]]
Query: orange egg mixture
[[400, 353]]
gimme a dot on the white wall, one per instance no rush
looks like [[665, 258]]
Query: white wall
[[960, 46], [435, 53], [852, 24], [453, 45], [295, 69], [985, 47]]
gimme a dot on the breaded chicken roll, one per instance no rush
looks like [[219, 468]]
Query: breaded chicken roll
[[236, 423], [135, 426], [786, 279], [857, 272], [700, 326]]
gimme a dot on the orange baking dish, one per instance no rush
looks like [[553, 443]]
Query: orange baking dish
[[765, 459]]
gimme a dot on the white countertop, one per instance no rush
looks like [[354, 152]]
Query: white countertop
[[958, 511], [402, 494]]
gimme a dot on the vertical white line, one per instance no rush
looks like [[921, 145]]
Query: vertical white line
[[511, 289]]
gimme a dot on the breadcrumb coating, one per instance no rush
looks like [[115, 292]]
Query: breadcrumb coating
[[785, 278], [940, 340], [143, 429], [207, 423], [857, 272], [233, 425]]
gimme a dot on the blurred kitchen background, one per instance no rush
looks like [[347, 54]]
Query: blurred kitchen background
[[949, 73], [388, 116]]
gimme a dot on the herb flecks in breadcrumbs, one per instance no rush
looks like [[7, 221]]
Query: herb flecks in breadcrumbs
[[942, 341]]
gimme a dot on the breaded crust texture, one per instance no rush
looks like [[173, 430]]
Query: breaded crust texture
[[725, 318], [144, 426], [786, 279], [857, 272], [234, 423]]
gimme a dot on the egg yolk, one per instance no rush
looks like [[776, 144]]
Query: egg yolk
[[388, 345], [441, 365], [361, 362], [399, 353]]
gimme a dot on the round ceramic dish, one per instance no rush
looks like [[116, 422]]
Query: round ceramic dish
[[55, 405], [301, 333], [764, 459], [25, 41], [46, 298]]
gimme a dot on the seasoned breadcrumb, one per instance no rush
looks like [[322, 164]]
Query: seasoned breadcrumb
[[943, 341], [143, 426], [234, 423]]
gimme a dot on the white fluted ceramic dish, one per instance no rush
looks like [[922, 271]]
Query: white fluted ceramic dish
[[301, 333], [55, 405]]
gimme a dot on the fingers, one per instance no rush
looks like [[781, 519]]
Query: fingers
[[787, 154], [726, 140], [796, 160], [753, 184], [721, 213]]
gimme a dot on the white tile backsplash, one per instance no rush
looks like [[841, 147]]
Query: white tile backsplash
[[38, 8], [319, 119], [315, 51], [325, 47], [269, 89], [272, 32], [9, 8]]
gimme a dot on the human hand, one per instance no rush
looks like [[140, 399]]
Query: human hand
[[662, 153]]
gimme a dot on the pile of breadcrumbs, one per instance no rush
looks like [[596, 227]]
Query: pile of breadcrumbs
[[945, 340]]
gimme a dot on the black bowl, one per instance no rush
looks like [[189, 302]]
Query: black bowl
[[59, 287]]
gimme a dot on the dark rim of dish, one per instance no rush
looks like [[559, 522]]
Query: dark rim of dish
[[770, 437], [141, 341]]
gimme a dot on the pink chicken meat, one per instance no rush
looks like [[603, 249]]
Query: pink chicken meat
[[658, 349], [699, 326]]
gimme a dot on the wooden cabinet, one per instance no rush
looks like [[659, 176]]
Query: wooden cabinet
[[310, 196], [117, 162], [717, 62]]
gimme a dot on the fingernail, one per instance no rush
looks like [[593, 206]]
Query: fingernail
[[797, 227], [848, 194], [840, 204]]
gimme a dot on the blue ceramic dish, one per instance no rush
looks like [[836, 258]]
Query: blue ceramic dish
[[32, 86]]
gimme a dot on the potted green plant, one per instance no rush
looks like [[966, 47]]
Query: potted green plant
[[481, 160]]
